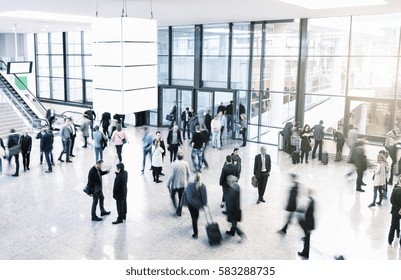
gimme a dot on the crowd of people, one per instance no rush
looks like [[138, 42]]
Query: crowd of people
[[199, 135]]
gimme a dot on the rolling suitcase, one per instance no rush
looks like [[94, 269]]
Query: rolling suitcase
[[212, 230], [295, 157], [325, 158]]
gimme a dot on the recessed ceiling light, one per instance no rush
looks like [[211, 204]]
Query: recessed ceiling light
[[332, 4]]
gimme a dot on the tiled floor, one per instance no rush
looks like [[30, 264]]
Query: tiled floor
[[47, 216]]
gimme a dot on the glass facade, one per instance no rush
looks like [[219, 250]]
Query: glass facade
[[269, 70]]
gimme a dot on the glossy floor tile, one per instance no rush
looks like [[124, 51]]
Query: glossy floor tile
[[47, 216]]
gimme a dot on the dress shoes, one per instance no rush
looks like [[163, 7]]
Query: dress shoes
[[229, 232], [72, 155], [363, 184], [59, 159], [372, 205], [96, 219], [124, 218], [48, 171], [360, 190], [303, 256], [117, 222], [224, 212], [159, 181], [162, 174], [194, 236], [222, 205], [15, 175], [68, 161], [263, 200], [105, 213], [259, 201]]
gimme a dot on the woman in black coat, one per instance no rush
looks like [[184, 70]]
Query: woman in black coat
[[292, 203], [306, 136], [395, 208], [196, 198], [120, 193]]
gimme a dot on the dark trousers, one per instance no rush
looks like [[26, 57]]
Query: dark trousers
[[234, 228], [16, 157], [392, 151], [229, 118], [180, 192], [91, 128], [173, 152], [121, 209], [243, 133], [194, 216], [185, 127], [262, 184], [156, 173], [66, 149], [98, 197], [106, 131], [359, 178], [320, 144], [339, 146], [306, 156], [85, 142], [395, 227], [72, 144], [49, 160], [305, 251], [26, 156], [289, 218], [204, 161], [375, 189], [119, 150]]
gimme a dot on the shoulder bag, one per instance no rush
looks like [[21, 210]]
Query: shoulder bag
[[122, 139]]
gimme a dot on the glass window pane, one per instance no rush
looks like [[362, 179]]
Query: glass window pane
[[239, 72], [316, 108], [57, 66], [372, 118], [241, 39], [75, 90], [326, 75], [328, 36], [44, 87], [74, 43], [88, 41], [88, 67], [183, 71], [58, 88], [163, 69], [183, 55], [215, 71], [215, 40], [56, 41], [43, 65], [183, 40], [74, 67], [372, 77], [163, 41], [282, 39], [375, 34]]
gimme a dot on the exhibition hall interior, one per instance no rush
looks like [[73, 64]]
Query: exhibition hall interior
[[262, 64]]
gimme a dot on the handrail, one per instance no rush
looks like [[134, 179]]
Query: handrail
[[33, 96]]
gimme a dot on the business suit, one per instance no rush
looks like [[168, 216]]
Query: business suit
[[95, 184], [318, 134], [173, 147], [233, 208], [262, 176], [46, 145], [120, 194], [178, 181]]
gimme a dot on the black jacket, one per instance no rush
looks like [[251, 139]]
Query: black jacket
[[228, 169], [292, 198], [170, 137], [46, 142], [26, 143], [120, 185], [395, 200], [257, 168], [233, 206], [13, 140], [94, 179], [307, 222], [105, 121]]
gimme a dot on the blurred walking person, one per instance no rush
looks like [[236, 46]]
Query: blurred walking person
[[197, 198], [14, 148], [291, 204]]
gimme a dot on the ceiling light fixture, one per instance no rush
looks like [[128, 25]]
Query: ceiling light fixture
[[330, 4]]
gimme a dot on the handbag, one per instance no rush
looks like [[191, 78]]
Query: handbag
[[122, 139], [88, 190], [169, 117], [254, 182]]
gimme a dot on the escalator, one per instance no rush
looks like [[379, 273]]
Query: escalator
[[28, 107]]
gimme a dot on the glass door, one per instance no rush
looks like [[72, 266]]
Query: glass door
[[204, 104], [169, 100], [184, 101]]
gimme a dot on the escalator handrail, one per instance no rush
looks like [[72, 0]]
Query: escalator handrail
[[18, 104], [33, 96]]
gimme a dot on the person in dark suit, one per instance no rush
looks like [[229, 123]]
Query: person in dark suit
[[46, 145], [233, 206], [73, 135], [14, 150], [318, 135], [105, 123], [173, 114], [197, 198], [173, 142], [228, 169], [208, 122], [90, 115], [26, 146], [95, 185], [50, 116], [395, 208], [360, 164], [292, 203], [307, 223], [261, 170], [287, 136], [185, 116], [120, 193]]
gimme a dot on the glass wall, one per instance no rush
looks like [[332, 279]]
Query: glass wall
[[241, 44], [183, 50], [215, 49], [163, 55]]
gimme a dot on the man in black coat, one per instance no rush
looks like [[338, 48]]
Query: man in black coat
[[307, 223], [185, 116], [233, 205], [46, 145], [90, 115], [228, 169], [96, 187], [261, 170], [395, 208], [120, 193], [292, 203], [287, 136], [105, 123], [173, 142], [360, 164], [14, 149]]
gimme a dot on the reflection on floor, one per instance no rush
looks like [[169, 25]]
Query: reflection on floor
[[47, 216]]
